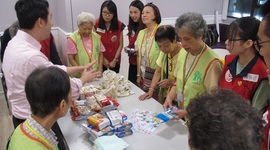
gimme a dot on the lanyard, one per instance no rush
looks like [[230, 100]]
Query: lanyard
[[85, 47], [148, 47], [43, 140], [188, 73]]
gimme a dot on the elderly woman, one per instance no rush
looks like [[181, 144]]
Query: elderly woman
[[148, 50], [84, 45], [198, 68], [163, 78]]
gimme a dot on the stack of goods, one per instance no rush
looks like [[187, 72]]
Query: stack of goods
[[97, 103], [113, 86], [111, 123]]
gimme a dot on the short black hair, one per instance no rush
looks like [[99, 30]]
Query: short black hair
[[113, 9], [45, 88], [222, 120], [28, 12], [165, 32]]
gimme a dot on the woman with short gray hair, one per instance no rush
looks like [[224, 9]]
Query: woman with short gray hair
[[84, 45], [199, 68]]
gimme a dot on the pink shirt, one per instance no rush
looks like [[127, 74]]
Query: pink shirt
[[87, 42], [21, 57]]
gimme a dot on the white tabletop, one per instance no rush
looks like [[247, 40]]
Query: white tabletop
[[168, 136]]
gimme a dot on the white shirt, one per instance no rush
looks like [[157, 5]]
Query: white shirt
[[22, 56]]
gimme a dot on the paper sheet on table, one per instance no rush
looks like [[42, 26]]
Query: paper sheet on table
[[144, 121], [110, 143]]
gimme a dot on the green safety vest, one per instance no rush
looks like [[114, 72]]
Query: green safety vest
[[194, 84], [82, 56], [154, 52]]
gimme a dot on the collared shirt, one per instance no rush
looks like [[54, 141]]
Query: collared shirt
[[40, 130], [22, 56]]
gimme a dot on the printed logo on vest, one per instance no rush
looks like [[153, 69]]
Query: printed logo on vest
[[197, 77], [251, 77], [114, 38], [228, 76]]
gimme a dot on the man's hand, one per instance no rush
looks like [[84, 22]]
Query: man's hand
[[88, 76], [90, 65]]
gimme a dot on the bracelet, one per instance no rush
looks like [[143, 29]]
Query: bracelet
[[151, 89], [116, 59], [138, 75]]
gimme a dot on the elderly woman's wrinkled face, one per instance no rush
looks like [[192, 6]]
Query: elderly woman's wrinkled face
[[166, 46], [85, 29], [189, 42]]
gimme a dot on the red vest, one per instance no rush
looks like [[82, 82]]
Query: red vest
[[45, 47], [110, 39], [132, 38], [247, 81]]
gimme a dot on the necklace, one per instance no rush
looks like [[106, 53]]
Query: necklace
[[146, 46]]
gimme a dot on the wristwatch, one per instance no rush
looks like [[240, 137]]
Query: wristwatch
[[116, 59]]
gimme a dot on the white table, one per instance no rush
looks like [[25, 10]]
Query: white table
[[172, 135]]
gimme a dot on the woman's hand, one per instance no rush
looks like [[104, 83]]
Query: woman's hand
[[112, 64], [165, 83], [147, 95], [179, 114], [106, 63]]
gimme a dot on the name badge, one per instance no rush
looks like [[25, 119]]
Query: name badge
[[100, 30], [251, 77], [179, 97]]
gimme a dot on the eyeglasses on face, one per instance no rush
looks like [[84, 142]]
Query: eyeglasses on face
[[258, 44], [106, 13]]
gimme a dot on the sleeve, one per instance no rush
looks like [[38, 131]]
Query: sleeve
[[40, 60], [160, 59], [55, 59], [71, 47], [123, 26], [261, 96], [4, 41], [176, 68], [213, 75], [102, 48]]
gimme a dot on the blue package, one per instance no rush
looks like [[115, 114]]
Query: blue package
[[168, 113]]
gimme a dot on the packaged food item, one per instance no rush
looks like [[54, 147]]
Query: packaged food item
[[98, 121], [168, 113], [114, 117], [79, 110], [126, 125], [124, 133]]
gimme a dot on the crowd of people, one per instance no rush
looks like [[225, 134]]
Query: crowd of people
[[225, 106]]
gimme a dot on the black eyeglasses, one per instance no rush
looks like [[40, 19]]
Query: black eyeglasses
[[107, 13], [258, 44]]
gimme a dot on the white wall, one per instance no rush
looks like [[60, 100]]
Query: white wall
[[65, 14]]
